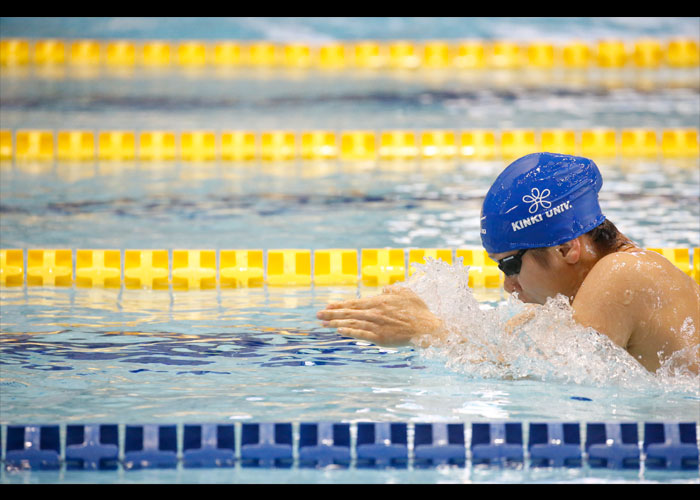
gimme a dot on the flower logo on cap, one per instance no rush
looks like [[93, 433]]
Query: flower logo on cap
[[537, 199]]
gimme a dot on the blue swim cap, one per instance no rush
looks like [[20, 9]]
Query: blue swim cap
[[541, 200]]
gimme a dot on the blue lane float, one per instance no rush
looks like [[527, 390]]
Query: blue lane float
[[323, 444], [555, 444], [209, 445], [382, 444], [92, 446], [267, 445], [498, 443], [439, 444], [150, 446], [33, 447], [613, 445], [670, 446]]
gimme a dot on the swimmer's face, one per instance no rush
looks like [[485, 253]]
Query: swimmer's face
[[535, 282]]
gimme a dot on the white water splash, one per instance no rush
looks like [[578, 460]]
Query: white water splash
[[550, 346]]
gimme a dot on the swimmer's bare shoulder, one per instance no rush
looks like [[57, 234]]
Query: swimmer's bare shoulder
[[641, 301], [605, 299]]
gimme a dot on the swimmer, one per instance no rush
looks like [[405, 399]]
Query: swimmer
[[541, 221]]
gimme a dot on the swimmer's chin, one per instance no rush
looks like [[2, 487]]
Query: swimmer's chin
[[528, 300], [524, 298]]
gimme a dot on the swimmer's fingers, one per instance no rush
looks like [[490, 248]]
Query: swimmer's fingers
[[338, 314], [359, 334], [364, 330], [353, 324]]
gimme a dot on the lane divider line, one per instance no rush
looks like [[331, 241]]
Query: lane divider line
[[184, 269], [23, 145], [645, 53], [664, 446]]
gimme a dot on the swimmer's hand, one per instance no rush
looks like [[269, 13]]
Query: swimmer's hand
[[519, 320], [393, 318]]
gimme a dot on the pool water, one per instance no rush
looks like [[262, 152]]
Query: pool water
[[134, 357], [77, 355], [241, 355], [300, 205]]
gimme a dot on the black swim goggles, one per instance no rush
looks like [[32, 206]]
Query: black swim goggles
[[511, 265]]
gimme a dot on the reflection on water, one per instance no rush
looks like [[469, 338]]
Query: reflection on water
[[68, 353], [407, 205], [142, 328], [261, 99]]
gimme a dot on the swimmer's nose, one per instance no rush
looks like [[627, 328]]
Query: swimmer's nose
[[510, 284]]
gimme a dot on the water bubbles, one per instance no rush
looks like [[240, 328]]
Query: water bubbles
[[521, 341]]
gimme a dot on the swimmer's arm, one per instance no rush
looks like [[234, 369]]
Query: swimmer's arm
[[607, 301], [395, 318]]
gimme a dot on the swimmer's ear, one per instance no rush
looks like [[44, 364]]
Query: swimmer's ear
[[570, 251]]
